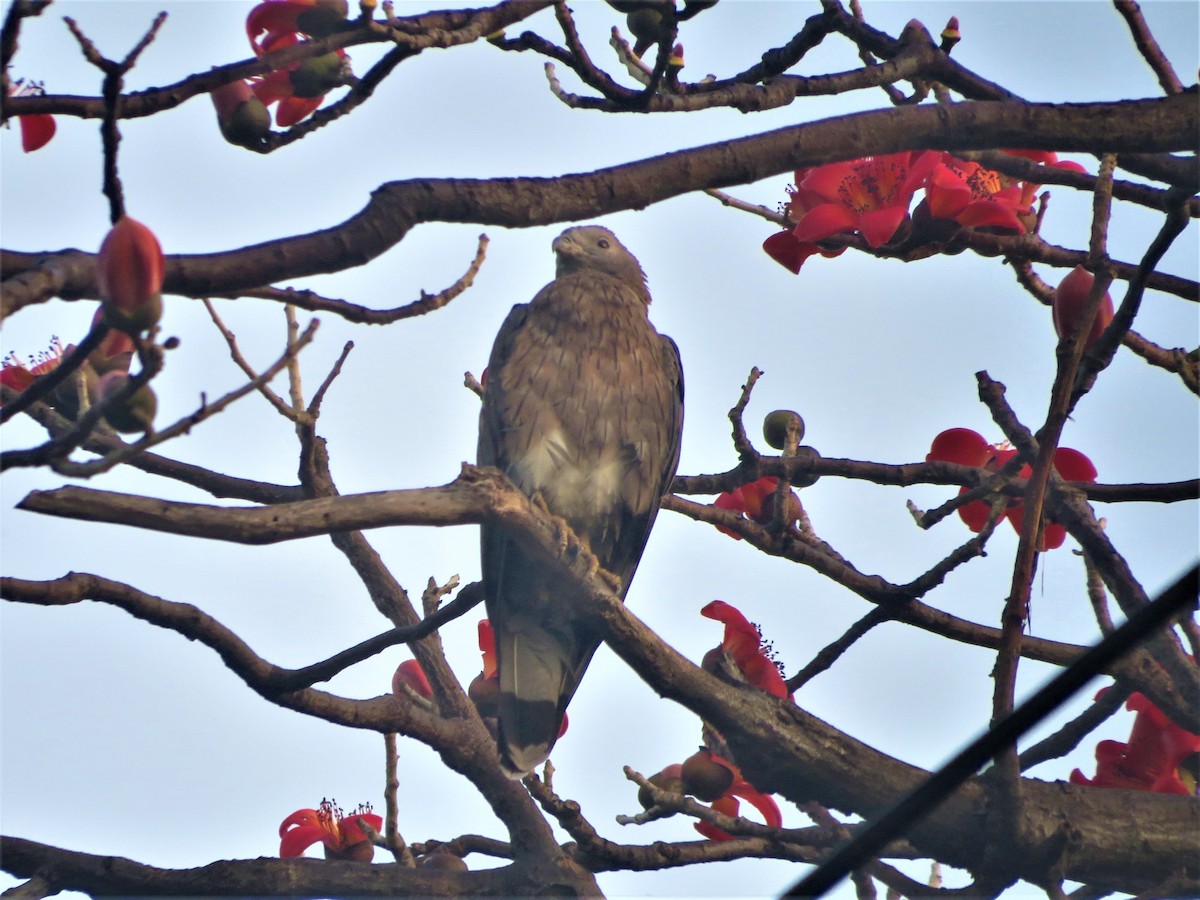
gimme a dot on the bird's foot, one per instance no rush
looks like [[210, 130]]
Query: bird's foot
[[613, 582], [564, 538]]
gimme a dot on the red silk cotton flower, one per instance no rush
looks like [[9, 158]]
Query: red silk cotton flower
[[756, 501], [972, 196], [699, 769], [327, 824], [1160, 756], [743, 644], [300, 88], [869, 195], [969, 448]]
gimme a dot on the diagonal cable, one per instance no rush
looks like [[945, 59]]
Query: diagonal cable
[[921, 801]]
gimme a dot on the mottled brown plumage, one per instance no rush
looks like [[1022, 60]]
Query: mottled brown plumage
[[583, 406]]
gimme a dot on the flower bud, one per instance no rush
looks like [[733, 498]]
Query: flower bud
[[1068, 303], [443, 861], [775, 427], [129, 276], [115, 352], [647, 25], [360, 851], [485, 694], [315, 77], [667, 780], [950, 34], [133, 414], [243, 118], [324, 18], [705, 778], [792, 510]]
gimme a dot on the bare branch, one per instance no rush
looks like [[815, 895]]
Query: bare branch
[[1148, 46]]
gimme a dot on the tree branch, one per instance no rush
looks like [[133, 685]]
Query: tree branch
[[1162, 125]]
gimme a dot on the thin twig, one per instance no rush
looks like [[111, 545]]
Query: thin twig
[[741, 442], [314, 407], [231, 340], [392, 838]]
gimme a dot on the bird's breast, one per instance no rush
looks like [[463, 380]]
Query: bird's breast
[[573, 481]]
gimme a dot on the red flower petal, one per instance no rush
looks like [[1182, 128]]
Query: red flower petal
[[743, 643], [1052, 537], [16, 377], [825, 221], [410, 673], [299, 831], [960, 445], [974, 514], [764, 803], [1073, 465], [1069, 300], [36, 131], [742, 639], [487, 645], [878, 226], [990, 213], [764, 675], [352, 834], [789, 252], [295, 109], [299, 839], [273, 16], [825, 182], [755, 493], [727, 805], [946, 193], [730, 500]]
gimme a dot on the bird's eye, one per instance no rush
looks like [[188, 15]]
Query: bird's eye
[[602, 244]]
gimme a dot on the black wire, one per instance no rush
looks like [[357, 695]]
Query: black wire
[[921, 801]]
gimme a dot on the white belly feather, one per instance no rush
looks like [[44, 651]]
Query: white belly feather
[[571, 486]]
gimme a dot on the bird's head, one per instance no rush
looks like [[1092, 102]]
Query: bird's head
[[594, 248]]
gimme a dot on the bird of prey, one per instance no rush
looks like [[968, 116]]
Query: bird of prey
[[582, 410]]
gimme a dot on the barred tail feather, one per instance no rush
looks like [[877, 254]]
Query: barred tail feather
[[536, 681]]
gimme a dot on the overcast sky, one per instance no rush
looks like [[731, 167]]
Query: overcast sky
[[119, 738]]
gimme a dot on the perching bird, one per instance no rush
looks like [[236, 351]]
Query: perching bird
[[582, 407]]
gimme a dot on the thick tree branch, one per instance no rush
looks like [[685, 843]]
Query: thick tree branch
[[1163, 125], [114, 875]]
